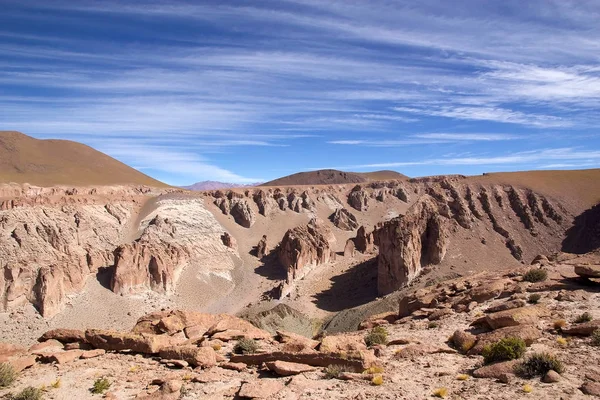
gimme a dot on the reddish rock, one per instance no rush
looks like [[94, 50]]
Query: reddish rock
[[358, 199], [262, 248], [239, 367], [350, 248], [409, 242], [62, 357], [228, 240], [49, 346], [64, 335], [344, 219], [260, 389], [92, 353], [141, 266], [139, 343], [497, 370], [204, 357], [584, 329], [284, 368], [356, 361], [516, 316], [290, 338], [364, 241], [528, 333], [302, 249], [591, 389]]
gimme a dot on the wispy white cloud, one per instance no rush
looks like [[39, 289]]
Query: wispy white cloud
[[431, 138]]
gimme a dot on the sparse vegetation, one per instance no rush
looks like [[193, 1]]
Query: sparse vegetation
[[101, 385], [441, 392], [505, 349], [377, 380], [536, 275], [562, 341], [245, 346], [527, 388], [585, 317], [462, 377], [559, 324], [56, 384], [29, 393], [538, 364], [335, 370], [216, 347], [596, 338], [432, 325], [7, 375], [534, 298], [378, 335]]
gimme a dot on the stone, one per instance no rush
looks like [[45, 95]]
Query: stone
[[301, 250], [409, 242], [295, 339], [358, 361], [260, 389], [440, 314], [528, 333], [584, 329], [49, 346], [516, 316], [242, 213], [364, 241], [64, 335], [92, 353], [507, 305], [228, 240], [349, 248], [497, 370], [140, 266], [463, 341], [230, 328], [175, 363], [342, 344], [591, 388], [262, 248], [284, 368], [239, 367], [551, 377], [588, 271], [23, 362], [62, 357], [344, 219], [486, 291], [204, 357], [358, 199], [138, 343]]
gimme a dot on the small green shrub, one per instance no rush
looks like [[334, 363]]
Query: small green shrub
[[534, 298], [538, 364], [378, 335], [505, 349], [101, 385], [245, 346], [432, 325], [596, 338], [29, 393], [585, 317], [536, 275], [7, 375], [335, 370]]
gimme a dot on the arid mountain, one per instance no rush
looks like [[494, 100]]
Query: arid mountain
[[333, 177], [24, 159], [214, 185]]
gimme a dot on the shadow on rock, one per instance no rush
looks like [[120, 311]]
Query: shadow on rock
[[584, 235]]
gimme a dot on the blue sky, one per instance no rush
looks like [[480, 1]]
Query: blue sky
[[245, 91]]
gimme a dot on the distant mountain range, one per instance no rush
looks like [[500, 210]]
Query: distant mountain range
[[214, 185]]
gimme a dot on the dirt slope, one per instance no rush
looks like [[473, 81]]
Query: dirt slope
[[333, 177], [24, 159]]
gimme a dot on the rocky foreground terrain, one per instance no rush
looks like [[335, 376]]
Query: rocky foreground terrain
[[430, 346]]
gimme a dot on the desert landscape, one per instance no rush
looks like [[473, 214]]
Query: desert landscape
[[323, 284]]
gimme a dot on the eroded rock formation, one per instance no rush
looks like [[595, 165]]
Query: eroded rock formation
[[359, 199], [344, 219], [408, 243], [302, 249]]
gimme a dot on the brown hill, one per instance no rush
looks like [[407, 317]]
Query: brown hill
[[333, 177], [24, 159]]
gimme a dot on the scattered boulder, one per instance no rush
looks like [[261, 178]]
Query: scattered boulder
[[527, 333], [228, 240], [583, 329], [261, 389], [350, 248], [463, 341], [62, 357], [364, 241], [204, 357], [588, 271], [139, 343], [516, 316], [551, 377], [64, 335], [284, 368], [497, 370]]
